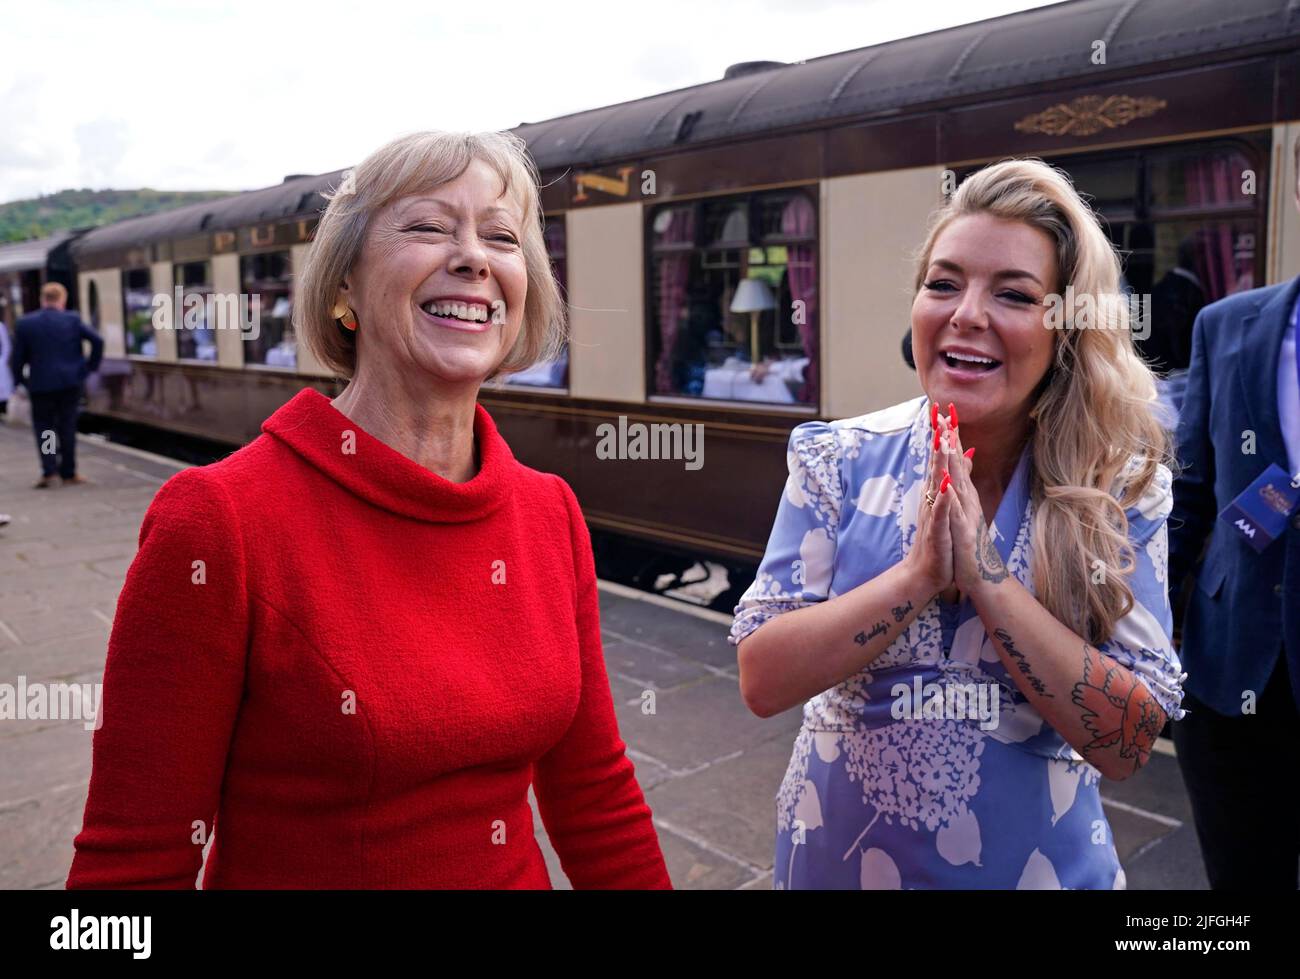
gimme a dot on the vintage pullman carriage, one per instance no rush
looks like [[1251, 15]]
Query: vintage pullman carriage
[[738, 253]]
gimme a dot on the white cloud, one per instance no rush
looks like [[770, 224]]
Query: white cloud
[[237, 95]]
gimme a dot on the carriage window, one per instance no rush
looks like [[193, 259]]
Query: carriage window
[[196, 338], [1188, 232], [551, 373], [267, 276], [733, 292], [1188, 222], [137, 312], [31, 280]]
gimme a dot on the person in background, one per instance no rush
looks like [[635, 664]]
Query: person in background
[[1239, 745], [49, 342], [6, 375], [6, 385], [1175, 301]]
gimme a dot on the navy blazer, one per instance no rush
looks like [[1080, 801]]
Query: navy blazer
[[1245, 607], [49, 340]]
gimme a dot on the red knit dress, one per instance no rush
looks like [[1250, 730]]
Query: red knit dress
[[350, 670]]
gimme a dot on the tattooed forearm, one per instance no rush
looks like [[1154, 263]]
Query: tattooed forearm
[[1022, 664], [987, 557], [878, 629], [900, 611], [1117, 710]]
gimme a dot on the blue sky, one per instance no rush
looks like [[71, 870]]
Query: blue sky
[[206, 95]]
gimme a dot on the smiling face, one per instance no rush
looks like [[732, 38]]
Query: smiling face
[[977, 321], [439, 286]]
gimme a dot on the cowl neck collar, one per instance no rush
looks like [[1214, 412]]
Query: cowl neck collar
[[339, 448]]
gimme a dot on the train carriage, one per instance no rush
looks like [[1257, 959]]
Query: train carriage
[[738, 254], [25, 266]]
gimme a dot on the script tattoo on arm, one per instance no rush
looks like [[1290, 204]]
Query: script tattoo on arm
[[1022, 664], [987, 558], [878, 629], [1117, 710], [900, 611]]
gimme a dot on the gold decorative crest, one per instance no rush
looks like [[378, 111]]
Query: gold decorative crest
[[1090, 114]]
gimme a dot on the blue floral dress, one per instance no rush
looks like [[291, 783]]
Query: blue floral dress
[[872, 800]]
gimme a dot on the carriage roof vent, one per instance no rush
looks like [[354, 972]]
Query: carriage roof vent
[[750, 68]]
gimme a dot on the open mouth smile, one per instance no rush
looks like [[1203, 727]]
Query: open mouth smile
[[963, 366], [458, 314]]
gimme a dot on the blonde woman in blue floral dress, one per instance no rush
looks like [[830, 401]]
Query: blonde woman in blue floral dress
[[967, 591]]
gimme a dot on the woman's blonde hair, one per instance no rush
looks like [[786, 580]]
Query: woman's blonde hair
[[1093, 425], [411, 165]]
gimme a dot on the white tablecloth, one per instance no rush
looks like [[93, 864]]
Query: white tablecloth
[[732, 381]]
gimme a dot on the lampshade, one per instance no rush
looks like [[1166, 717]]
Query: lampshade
[[752, 296]]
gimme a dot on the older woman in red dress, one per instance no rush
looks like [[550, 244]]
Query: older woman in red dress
[[348, 649]]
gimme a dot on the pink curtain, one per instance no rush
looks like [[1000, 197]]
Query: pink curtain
[[1212, 181], [674, 273], [799, 221]]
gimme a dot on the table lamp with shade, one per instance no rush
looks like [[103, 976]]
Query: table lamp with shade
[[753, 297]]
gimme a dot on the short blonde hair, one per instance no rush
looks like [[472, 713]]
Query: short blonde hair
[[410, 165], [53, 292]]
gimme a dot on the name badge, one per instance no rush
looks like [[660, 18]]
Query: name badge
[[1259, 513]]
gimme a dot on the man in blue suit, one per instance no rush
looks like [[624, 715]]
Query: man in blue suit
[[1239, 745], [50, 342]]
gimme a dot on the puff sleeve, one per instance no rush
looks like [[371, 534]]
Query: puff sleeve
[[1142, 641], [796, 568]]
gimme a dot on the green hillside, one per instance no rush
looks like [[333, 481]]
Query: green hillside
[[42, 216]]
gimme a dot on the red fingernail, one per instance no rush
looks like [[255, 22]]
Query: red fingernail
[[970, 453], [952, 414], [934, 415], [936, 440], [946, 480]]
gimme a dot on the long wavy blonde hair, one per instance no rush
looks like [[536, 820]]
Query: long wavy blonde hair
[[1094, 430]]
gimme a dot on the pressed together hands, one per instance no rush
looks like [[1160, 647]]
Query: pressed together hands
[[798, 655], [953, 553]]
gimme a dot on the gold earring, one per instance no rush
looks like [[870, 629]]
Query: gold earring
[[343, 312]]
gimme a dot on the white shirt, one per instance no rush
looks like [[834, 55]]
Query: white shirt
[[1288, 394]]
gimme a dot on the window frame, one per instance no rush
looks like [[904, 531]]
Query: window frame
[[506, 384], [1255, 145], [147, 272], [811, 190], [178, 326], [289, 279]]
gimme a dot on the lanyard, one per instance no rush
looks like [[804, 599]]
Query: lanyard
[[1295, 317]]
